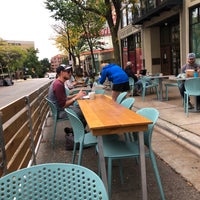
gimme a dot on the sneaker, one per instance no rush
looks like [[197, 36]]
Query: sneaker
[[190, 106], [68, 130]]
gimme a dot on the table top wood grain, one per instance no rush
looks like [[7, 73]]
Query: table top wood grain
[[104, 116]]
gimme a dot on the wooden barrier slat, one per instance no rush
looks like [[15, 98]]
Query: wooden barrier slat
[[18, 157], [19, 138], [10, 110], [21, 119], [14, 127]]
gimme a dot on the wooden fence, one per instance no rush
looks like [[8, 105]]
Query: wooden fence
[[21, 126]]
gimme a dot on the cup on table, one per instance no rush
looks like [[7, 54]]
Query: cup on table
[[196, 74], [91, 95]]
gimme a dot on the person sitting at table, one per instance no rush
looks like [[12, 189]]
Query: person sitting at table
[[191, 64], [58, 96], [136, 77], [117, 76]]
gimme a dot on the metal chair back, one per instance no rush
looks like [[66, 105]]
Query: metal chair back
[[53, 181]]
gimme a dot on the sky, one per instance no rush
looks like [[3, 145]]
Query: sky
[[28, 20]]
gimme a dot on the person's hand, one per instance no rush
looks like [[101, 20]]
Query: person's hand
[[80, 94]]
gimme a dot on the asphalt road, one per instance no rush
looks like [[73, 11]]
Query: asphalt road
[[8, 94]]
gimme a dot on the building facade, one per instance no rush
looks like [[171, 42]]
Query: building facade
[[23, 44], [158, 34], [56, 61]]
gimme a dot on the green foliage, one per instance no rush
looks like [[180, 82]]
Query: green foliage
[[11, 57], [80, 29], [45, 67]]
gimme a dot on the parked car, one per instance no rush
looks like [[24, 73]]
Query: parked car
[[52, 75]]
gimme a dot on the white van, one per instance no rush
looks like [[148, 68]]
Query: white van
[[52, 75]]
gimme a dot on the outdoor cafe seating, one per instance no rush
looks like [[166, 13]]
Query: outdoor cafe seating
[[121, 149]]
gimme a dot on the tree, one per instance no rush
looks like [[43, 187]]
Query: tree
[[110, 10], [32, 63], [11, 57], [45, 66], [81, 29]]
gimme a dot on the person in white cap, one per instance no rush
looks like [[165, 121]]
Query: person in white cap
[[191, 64]]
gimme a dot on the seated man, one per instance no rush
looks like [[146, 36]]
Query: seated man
[[191, 64], [58, 96]]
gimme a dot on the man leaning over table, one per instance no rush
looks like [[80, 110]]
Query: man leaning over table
[[117, 76], [191, 64], [58, 96]]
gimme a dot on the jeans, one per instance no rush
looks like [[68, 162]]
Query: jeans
[[77, 110]]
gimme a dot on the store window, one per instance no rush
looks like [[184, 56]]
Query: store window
[[195, 31]]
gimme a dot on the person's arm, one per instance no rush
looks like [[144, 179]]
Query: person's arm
[[72, 98], [103, 77], [183, 68]]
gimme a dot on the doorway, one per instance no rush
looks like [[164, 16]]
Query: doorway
[[170, 48]]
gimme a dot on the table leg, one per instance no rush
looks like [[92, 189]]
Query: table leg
[[102, 162], [143, 166], [160, 89]]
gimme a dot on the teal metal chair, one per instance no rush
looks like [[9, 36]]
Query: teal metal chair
[[121, 149], [55, 119], [192, 88], [128, 102], [167, 85], [148, 83], [121, 97], [131, 84], [99, 91], [80, 137], [53, 181]]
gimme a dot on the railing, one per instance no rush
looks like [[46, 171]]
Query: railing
[[146, 9], [21, 125]]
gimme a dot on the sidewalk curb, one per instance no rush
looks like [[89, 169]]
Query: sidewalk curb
[[187, 139]]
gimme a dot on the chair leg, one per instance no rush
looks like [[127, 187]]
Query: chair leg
[[74, 153], [54, 132], [80, 154], [143, 93], [186, 101], [121, 171], [153, 160], [157, 93], [166, 93], [109, 177]]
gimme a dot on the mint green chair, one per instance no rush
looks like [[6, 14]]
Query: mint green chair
[[52, 181], [120, 149], [131, 84], [128, 102], [80, 137], [55, 119], [167, 85], [192, 88], [121, 97], [148, 83]]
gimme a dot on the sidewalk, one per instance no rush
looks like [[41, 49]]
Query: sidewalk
[[176, 142]]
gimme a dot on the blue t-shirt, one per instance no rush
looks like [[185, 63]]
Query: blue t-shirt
[[114, 73]]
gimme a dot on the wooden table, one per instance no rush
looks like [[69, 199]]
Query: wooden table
[[105, 117]]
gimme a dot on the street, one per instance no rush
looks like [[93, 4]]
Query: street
[[20, 88]]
